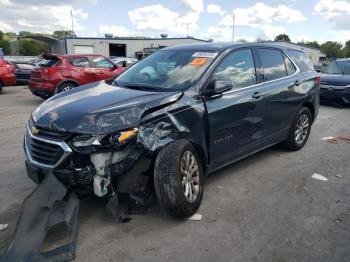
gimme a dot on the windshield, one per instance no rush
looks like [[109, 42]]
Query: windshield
[[344, 66], [167, 70]]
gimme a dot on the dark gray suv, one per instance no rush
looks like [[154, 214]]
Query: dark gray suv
[[173, 118]]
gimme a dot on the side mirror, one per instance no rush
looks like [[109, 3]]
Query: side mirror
[[217, 87]]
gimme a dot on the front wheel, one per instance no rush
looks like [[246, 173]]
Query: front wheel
[[178, 179], [300, 130]]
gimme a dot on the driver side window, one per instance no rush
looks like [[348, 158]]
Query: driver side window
[[237, 67]]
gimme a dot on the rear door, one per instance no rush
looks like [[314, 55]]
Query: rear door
[[280, 78], [83, 72], [236, 116]]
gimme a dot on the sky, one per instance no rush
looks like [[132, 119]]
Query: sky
[[302, 20]]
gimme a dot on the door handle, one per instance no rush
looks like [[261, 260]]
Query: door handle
[[297, 83], [257, 95]]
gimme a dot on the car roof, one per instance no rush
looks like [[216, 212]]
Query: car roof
[[222, 46], [70, 56]]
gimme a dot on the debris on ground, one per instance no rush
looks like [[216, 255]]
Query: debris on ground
[[3, 227], [195, 217], [339, 176], [319, 177], [334, 140]]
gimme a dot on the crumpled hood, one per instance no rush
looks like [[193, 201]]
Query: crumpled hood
[[99, 108], [329, 79]]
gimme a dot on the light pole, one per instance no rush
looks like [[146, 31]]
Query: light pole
[[233, 27]]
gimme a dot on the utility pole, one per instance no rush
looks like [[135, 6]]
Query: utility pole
[[71, 15], [233, 27]]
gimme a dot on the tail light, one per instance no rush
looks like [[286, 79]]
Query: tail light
[[10, 69], [318, 80], [50, 70]]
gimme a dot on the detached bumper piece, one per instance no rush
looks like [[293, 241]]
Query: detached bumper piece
[[46, 207]]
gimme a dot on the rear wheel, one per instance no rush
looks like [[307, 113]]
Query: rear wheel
[[300, 130], [178, 179], [64, 87]]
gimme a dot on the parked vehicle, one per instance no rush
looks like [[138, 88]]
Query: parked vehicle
[[22, 71], [124, 61], [58, 73], [335, 81], [7, 74], [210, 105]]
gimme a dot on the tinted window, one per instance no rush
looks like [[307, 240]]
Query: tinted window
[[47, 62], [80, 62], [272, 64], [289, 65], [344, 66], [238, 67], [101, 62], [302, 60], [332, 68]]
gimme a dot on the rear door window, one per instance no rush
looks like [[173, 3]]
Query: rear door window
[[47, 62], [272, 64], [289, 65], [332, 68], [237, 67], [101, 62], [302, 60], [80, 62]]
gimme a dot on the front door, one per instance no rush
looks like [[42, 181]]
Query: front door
[[236, 117]]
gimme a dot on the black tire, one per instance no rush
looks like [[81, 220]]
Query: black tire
[[1, 87], [291, 143], [168, 180], [64, 86]]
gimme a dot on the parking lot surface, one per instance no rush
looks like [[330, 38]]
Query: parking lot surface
[[264, 208]]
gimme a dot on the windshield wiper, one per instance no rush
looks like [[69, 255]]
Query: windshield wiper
[[138, 87]]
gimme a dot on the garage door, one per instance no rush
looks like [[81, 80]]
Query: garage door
[[84, 49]]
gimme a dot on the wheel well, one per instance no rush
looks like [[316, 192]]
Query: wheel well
[[311, 107], [202, 155], [69, 81]]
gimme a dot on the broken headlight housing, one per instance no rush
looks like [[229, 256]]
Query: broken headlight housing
[[104, 141]]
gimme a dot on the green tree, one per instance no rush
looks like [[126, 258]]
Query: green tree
[[241, 40], [313, 44], [62, 33], [1, 35], [282, 37], [31, 47], [332, 49], [24, 34], [10, 35], [5, 45]]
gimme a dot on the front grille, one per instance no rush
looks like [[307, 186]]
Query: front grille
[[48, 153], [52, 134]]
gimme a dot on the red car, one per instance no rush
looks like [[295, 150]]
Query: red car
[[7, 74], [57, 73]]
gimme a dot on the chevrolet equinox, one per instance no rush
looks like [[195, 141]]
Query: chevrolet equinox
[[199, 108]]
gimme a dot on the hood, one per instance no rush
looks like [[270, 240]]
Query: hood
[[337, 80], [99, 108]]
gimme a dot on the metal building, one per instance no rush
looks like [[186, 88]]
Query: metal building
[[120, 46]]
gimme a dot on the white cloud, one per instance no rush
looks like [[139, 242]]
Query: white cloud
[[159, 19], [114, 29], [215, 9], [5, 27], [271, 31], [196, 6], [336, 12], [40, 16]]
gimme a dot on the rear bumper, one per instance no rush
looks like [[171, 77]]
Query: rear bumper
[[9, 80], [340, 95], [39, 88]]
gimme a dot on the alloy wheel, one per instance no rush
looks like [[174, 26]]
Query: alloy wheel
[[190, 176], [302, 129]]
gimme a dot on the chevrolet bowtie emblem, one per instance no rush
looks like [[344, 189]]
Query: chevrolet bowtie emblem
[[34, 130]]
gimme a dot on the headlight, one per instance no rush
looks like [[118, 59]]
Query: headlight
[[104, 140]]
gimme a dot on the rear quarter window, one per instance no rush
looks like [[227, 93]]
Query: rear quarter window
[[301, 59]]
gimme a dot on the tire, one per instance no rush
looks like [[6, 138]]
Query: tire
[[171, 182], [303, 118], [1, 87], [64, 87]]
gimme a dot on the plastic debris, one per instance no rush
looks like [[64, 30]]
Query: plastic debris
[[319, 177], [3, 227], [334, 140], [195, 217], [339, 176]]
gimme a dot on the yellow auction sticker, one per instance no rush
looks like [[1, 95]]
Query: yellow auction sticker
[[199, 61]]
